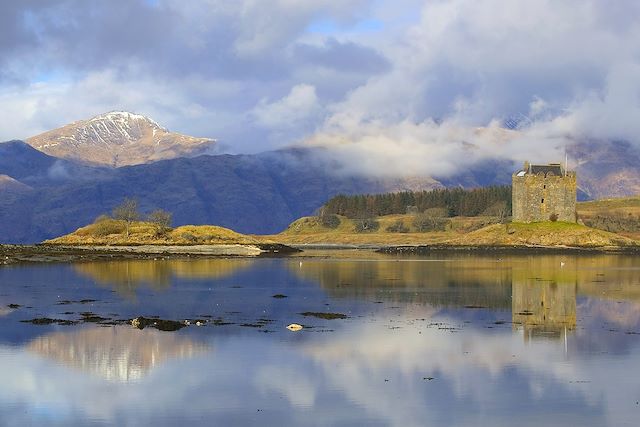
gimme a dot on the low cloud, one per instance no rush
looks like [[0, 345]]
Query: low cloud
[[297, 106], [426, 89], [58, 171], [465, 73]]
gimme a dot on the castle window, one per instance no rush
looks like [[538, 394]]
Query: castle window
[[544, 186], [542, 201]]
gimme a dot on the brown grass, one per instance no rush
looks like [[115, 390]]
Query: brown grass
[[477, 231], [611, 207], [111, 232]]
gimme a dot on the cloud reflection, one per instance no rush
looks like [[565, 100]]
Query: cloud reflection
[[115, 353], [365, 372]]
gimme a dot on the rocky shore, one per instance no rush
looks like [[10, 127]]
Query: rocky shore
[[507, 249], [14, 254]]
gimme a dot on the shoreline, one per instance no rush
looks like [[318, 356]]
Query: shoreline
[[47, 253], [517, 249], [440, 248]]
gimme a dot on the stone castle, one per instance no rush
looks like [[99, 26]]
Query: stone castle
[[544, 193]]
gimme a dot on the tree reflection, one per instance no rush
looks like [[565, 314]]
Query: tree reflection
[[125, 276]]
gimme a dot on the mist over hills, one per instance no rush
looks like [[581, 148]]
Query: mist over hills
[[43, 196]]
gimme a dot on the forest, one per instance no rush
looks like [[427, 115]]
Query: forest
[[494, 201]]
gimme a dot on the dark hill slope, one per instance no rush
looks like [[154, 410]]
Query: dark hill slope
[[248, 193]]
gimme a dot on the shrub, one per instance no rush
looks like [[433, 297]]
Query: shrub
[[366, 225], [105, 226], [436, 212], [190, 237], [127, 212], [398, 227], [411, 210], [553, 217], [424, 223], [614, 222], [498, 209], [161, 220], [102, 218], [330, 220]]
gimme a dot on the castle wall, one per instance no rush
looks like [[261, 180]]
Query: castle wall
[[538, 197]]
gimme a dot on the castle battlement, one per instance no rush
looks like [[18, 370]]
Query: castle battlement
[[544, 193]]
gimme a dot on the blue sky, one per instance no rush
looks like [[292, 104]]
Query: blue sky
[[400, 80]]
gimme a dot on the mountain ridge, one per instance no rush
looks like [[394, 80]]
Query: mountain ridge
[[118, 138]]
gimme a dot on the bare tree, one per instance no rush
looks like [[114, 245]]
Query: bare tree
[[161, 219], [127, 212]]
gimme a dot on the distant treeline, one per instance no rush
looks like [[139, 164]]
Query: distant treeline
[[494, 200]]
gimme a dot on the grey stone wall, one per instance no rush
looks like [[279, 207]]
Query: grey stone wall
[[538, 197]]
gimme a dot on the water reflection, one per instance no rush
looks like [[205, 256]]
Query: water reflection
[[544, 308], [441, 282], [118, 353], [540, 291], [544, 300], [126, 276], [427, 342]]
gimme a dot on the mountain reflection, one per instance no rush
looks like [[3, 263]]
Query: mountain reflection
[[126, 276], [115, 353]]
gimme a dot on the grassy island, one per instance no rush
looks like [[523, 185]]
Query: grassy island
[[108, 231]]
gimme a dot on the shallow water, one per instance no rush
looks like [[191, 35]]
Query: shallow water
[[455, 340]]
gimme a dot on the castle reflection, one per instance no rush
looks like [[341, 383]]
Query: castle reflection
[[540, 291], [543, 308]]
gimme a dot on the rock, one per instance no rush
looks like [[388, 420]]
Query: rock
[[326, 316], [159, 324]]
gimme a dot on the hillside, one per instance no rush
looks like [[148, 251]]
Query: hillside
[[118, 138], [460, 231], [309, 230], [543, 234], [607, 168], [626, 205], [621, 215], [260, 193]]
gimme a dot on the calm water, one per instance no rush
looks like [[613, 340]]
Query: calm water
[[456, 341]]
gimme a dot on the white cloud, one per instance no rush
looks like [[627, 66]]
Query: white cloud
[[252, 74], [296, 107], [567, 65]]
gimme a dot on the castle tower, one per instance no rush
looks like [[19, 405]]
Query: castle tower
[[543, 193]]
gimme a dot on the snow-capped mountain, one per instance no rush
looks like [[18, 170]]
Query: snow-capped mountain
[[118, 138]]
